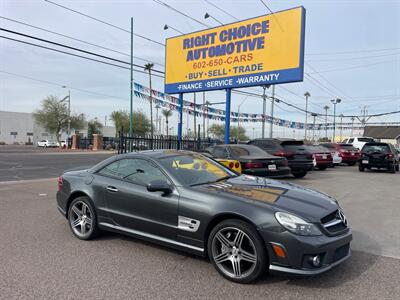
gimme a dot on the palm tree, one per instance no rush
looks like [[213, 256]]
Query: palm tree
[[148, 67], [167, 113]]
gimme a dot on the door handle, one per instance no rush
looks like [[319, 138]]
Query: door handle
[[112, 189]]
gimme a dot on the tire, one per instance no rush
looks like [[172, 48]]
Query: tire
[[323, 167], [392, 169], [351, 163], [299, 174], [398, 168], [231, 257], [360, 168], [82, 218]]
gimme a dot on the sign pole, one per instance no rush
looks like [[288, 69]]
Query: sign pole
[[180, 120], [131, 93], [227, 116]]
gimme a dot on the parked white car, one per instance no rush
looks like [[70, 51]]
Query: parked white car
[[47, 143], [358, 142]]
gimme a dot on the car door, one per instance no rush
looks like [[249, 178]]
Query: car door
[[131, 206]]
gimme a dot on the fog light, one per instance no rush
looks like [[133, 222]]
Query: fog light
[[316, 260]]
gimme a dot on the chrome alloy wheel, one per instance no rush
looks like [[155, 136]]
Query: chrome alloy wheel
[[81, 219], [234, 252]]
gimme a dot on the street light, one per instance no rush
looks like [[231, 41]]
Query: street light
[[166, 27], [334, 101], [313, 130], [207, 15], [69, 110], [306, 94], [326, 107]]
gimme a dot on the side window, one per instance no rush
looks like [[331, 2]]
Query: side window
[[220, 152], [138, 171]]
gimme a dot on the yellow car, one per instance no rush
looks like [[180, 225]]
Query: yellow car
[[198, 164]]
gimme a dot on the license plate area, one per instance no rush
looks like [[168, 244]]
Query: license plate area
[[365, 161], [271, 167]]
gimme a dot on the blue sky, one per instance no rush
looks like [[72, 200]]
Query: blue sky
[[352, 52]]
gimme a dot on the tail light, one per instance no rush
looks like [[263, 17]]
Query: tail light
[[389, 156], [253, 165], [231, 165], [283, 153], [60, 183], [237, 165]]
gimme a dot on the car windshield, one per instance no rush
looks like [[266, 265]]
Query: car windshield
[[347, 146], [375, 149], [366, 140], [194, 169], [239, 151]]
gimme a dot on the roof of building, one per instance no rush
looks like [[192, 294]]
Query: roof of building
[[382, 132]]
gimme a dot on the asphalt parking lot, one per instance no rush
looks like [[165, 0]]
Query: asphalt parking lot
[[41, 259]]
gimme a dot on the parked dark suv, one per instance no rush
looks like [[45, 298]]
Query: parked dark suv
[[299, 158], [380, 156]]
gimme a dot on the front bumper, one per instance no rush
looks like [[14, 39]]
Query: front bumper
[[332, 250]]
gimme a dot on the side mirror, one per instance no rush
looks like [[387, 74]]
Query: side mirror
[[159, 186]]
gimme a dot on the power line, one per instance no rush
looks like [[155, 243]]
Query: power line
[[74, 39], [220, 9], [354, 51], [76, 55], [61, 85], [353, 58], [355, 67], [179, 12], [72, 48], [104, 22]]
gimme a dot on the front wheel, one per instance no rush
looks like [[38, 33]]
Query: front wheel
[[82, 218], [236, 251]]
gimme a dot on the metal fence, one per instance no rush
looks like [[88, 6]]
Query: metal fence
[[138, 143]]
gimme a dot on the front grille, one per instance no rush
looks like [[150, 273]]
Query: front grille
[[334, 222]]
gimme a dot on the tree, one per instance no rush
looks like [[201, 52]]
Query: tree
[[167, 113], [141, 124], [148, 67], [94, 127], [218, 131], [53, 116]]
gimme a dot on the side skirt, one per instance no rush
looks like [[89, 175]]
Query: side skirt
[[152, 238]]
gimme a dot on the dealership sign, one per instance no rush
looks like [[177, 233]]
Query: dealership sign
[[258, 51]]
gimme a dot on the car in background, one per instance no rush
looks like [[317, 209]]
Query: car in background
[[347, 152], [358, 142], [232, 164], [336, 158], [379, 156], [299, 159], [253, 160], [47, 144], [245, 225], [322, 156]]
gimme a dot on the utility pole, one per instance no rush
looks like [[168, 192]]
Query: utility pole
[[341, 126], [272, 112], [264, 110], [158, 129], [131, 92], [326, 107], [352, 125], [69, 112], [334, 101], [204, 115], [194, 116], [306, 94], [313, 129]]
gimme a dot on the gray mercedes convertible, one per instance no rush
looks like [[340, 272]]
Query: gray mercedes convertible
[[245, 225]]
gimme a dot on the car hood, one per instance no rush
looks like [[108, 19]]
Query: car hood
[[283, 196]]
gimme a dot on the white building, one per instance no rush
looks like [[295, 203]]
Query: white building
[[21, 128]]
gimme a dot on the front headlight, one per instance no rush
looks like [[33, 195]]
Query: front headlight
[[296, 225]]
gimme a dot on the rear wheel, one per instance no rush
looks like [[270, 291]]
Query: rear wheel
[[322, 167], [361, 168], [236, 251], [351, 163], [299, 174], [82, 218], [397, 168], [392, 169]]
